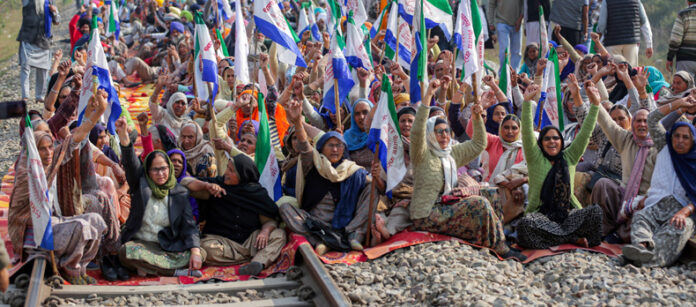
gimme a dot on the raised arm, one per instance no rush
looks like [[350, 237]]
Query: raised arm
[[576, 149], [463, 153], [657, 130], [531, 150], [131, 163]]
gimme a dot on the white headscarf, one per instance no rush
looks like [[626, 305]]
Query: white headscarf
[[507, 159], [170, 119], [449, 166]]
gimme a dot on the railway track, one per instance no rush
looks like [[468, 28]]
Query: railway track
[[306, 284]]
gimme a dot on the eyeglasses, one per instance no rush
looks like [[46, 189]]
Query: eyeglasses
[[551, 138], [335, 145], [442, 131], [160, 170]]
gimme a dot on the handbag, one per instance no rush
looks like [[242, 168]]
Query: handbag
[[335, 239]]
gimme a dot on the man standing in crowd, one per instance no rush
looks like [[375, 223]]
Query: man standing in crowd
[[505, 17], [622, 32], [34, 44], [531, 18], [571, 15], [682, 42]]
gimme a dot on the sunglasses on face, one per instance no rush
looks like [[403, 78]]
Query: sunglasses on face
[[551, 138]]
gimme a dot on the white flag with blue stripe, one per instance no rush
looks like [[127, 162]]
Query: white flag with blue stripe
[[551, 101], [356, 55], [337, 69], [113, 25], [398, 31], [271, 22], [377, 25], [307, 22], [385, 132], [224, 9], [205, 63], [435, 12], [358, 9], [98, 71], [39, 200]]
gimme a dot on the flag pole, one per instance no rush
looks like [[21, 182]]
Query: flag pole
[[337, 104], [54, 266], [454, 70], [474, 85], [373, 188]]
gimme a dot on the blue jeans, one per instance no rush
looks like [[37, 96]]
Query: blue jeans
[[507, 37]]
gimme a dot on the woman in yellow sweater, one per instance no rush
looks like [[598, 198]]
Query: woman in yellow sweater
[[554, 216], [438, 204]]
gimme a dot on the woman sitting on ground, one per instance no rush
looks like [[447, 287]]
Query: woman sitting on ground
[[330, 189], [199, 152], [240, 218], [160, 236], [660, 231], [438, 205], [554, 216]]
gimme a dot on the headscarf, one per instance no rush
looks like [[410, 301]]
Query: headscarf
[[434, 109], [175, 25], [170, 119], [507, 159], [684, 164], [531, 64], [633, 184], [672, 96], [555, 192], [164, 135], [401, 98], [492, 126], [404, 111], [248, 193], [159, 191], [449, 166], [192, 200], [253, 123], [656, 79], [344, 179], [200, 148], [94, 133], [582, 48], [355, 137]]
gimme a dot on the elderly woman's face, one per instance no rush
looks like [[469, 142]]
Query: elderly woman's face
[[159, 170], [178, 162], [621, 118], [179, 107], [682, 140], [247, 143], [231, 177], [442, 134], [360, 114], [248, 127], [45, 148], [333, 150], [188, 137], [678, 84], [229, 77]]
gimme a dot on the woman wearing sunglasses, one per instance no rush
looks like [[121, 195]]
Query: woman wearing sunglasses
[[439, 204], [554, 216]]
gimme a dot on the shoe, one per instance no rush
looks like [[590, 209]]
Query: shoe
[[514, 254], [613, 238], [187, 272], [75, 280], [321, 249], [107, 269], [253, 269], [89, 280], [355, 245], [637, 252]]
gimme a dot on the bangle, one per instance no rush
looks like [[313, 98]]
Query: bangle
[[670, 107], [54, 91]]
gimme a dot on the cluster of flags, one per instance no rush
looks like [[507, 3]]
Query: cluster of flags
[[405, 22]]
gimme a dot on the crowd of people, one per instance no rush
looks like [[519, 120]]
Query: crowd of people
[[479, 165]]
